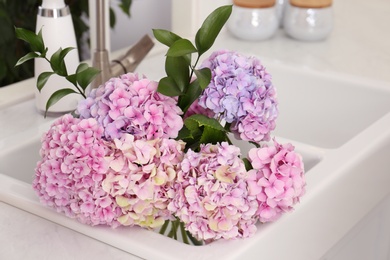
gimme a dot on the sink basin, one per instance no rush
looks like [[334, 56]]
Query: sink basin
[[326, 110], [340, 125]]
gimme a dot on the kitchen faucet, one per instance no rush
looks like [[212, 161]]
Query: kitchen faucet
[[100, 58]]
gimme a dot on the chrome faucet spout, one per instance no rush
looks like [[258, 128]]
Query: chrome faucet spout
[[124, 64], [132, 58], [100, 58]]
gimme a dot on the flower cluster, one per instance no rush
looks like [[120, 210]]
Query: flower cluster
[[128, 104], [101, 173], [195, 108], [277, 179], [212, 198], [70, 173], [241, 93], [119, 160], [140, 178], [138, 152]]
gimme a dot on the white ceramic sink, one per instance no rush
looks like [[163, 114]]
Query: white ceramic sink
[[341, 127]]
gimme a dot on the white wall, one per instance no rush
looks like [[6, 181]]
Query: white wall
[[188, 15], [183, 17], [145, 16]]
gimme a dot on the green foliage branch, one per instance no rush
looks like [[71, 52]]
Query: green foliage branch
[[80, 79], [179, 82]]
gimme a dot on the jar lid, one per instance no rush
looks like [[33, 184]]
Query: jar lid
[[311, 3], [254, 3]]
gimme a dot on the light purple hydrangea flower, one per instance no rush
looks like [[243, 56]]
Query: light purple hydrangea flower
[[70, 174], [129, 104], [212, 198], [277, 179], [140, 177], [241, 93]]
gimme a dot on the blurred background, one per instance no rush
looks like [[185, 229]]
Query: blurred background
[[129, 21]]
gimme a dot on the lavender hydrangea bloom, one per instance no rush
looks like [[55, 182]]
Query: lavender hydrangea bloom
[[129, 104], [241, 93], [211, 194]]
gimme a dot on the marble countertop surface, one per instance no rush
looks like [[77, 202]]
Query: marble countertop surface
[[359, 46]]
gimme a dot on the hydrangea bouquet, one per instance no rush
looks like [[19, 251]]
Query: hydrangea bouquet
[[158, 154]]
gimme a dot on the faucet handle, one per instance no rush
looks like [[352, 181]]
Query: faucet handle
[[132, 58]]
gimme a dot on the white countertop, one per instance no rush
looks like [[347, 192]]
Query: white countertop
[[359, 45]]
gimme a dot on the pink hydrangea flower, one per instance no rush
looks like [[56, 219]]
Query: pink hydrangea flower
[[211, 194], [195, 108], [129, 104], [241, 93], [70, 174], [140, 178], [277, 179]]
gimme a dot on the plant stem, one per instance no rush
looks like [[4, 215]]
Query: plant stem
[[194, 240], [193, 67], [174, 225], [172, 231], [79, 90], [189, 83], [183, 233], [164, 227]]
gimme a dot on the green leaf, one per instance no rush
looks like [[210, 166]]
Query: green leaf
[[85, 75], [82, 66], [57, 61], [204, 130], [57, 64], [177, 69], [203, 120], [208, 32], [65, 51], [194, 129], [35, 40], [42, 79], [168, 87], [28, 56], [43, 54], [112, 18], [39, 43], [212, 135], [247, 163], [125, 5], [184, 134], [204, 77], [180, 48], [193, 92], [72, 79], [56, 96], [165, 37]]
